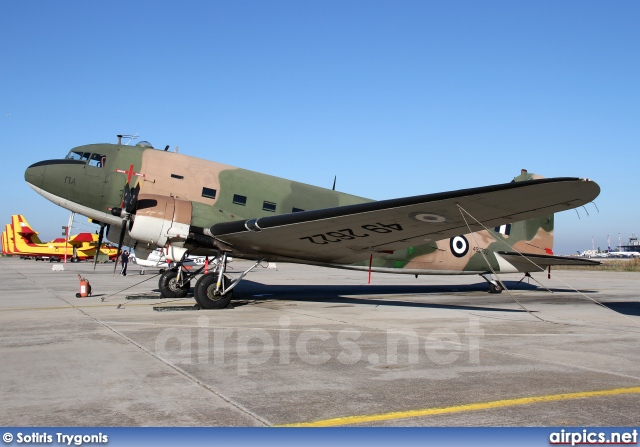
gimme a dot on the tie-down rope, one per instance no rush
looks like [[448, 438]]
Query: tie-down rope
[[463, 211]]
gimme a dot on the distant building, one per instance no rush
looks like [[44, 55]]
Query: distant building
[[633, 245]]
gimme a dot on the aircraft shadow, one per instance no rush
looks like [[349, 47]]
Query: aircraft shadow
[[624, 307], [252, 292]]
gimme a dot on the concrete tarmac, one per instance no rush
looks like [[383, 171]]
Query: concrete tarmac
[[314, 346]]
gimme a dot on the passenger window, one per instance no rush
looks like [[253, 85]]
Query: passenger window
[[296, 210], [269, 206], [97, 160], [209, 193], [239, 200]]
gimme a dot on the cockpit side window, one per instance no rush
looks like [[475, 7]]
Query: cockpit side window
[[78, 155], [97, 160]]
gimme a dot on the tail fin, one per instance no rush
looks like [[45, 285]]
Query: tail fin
[[533, 235], [11, 246], [4, 243], [22, 227]]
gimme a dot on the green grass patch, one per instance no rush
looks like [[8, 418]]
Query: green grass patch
[[609, 265]]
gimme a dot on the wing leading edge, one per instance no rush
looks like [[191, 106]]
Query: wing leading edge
[[351, 233]]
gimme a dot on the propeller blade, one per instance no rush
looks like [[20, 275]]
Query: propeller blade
[[126, 195], [127, 211], [120, 241], [95, 256], [131, 201]]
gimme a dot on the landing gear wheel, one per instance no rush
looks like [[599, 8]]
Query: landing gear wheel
[[494, 288], [205, 292], [169, 286]]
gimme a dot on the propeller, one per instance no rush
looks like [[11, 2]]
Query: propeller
[[127, 210], [131, 198], [100, 237]]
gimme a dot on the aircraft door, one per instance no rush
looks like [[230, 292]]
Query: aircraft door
[[93, 174], [112, 188]]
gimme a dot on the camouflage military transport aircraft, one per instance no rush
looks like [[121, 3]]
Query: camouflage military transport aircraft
[[149, 198]]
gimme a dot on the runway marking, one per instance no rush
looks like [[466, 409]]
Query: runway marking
[[348, 420]]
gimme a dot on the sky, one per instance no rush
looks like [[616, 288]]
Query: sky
[[395, 98]]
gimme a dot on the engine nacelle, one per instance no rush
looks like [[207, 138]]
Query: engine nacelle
[[161, 220]]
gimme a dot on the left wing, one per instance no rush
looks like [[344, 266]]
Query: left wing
[[351, 233]]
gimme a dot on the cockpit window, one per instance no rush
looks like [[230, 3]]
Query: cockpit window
[[78, 155], [97, 160]]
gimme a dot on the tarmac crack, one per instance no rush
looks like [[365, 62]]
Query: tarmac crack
[[262, 421]]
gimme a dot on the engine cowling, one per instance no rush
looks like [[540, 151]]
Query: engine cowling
[[161, 220]]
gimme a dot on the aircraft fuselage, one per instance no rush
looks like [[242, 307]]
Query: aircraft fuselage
[[182, 196]]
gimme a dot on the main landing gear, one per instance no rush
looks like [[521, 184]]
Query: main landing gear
[[174, 283], [494, 286], [213, 290]]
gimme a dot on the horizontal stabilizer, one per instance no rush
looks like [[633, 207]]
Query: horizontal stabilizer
[[25, 230], [527, 262]]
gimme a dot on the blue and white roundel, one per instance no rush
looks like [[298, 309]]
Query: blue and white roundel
[[459, 246]]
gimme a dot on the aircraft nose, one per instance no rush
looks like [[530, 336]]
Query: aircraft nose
[[34, 174]]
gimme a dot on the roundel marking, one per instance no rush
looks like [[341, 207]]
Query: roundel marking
[[429, 218], [459, 246]]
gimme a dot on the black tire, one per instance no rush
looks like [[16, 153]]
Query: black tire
[[494, 289], [169, 288], [204, 292], [195, 290]]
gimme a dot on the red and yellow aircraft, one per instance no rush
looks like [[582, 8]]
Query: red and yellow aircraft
[[22, 240], [5, 244], [8, 247]]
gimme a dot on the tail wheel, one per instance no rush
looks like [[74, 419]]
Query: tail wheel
[[170, 287], [206, 295], [494, 288]]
